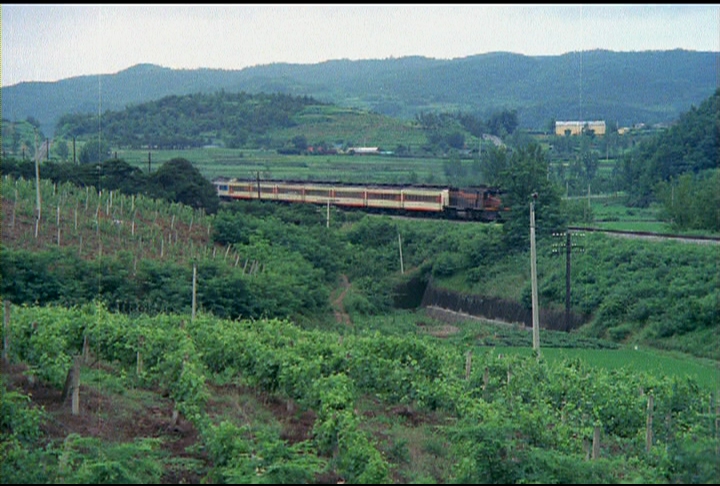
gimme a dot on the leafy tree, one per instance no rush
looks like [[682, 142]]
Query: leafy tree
[[94, 151], [691, 145], [300, 142], [453, 169], [119, 175], [455, 140], [521, 174], [61, 149], [692, 202], [33, 121], [16, 168], [178, 180], [503, 123], [550, 127], [493, 163]]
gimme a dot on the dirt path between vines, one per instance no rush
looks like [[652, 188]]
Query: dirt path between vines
[[341, 315]]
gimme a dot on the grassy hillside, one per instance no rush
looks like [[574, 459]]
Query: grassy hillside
[[662, 294]]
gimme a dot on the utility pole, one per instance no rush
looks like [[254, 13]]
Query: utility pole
[[568, 249], [533, 276], [37, 188], [194, 290], [402, 268], [568, 246]]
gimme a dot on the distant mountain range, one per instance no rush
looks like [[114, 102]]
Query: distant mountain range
[[624, 87]]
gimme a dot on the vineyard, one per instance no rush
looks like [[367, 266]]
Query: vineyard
[[375, 408], [133, 253], [95, 222]]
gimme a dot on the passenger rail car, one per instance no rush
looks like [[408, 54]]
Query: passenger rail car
[[478, 203]]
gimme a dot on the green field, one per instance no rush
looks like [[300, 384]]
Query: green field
[[268, 164], [555, 346], [642, 360]]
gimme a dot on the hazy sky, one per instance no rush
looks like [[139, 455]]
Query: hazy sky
[[51, 42]]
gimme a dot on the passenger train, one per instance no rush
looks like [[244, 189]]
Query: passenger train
[[480, 203]]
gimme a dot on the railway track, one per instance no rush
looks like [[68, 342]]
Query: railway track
[[708, 240]]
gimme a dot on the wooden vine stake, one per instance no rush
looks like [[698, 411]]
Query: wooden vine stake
[[6, 332], [194, 291], [139, 363], [596, 443], [58, 224], [72, 385], [649, 423], [468, 364], [12, 221], [717, 421], [86, 348]]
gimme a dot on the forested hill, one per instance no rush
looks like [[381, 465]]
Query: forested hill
[[623, 87], [690, 146], [190, 120]]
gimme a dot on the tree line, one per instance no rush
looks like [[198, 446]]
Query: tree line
[[177, 180], [687, 155]]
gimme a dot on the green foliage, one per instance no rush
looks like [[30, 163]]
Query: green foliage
[[513, 418], [24, 458], [657, 292], [522, 173], [94, 151], [577, 211], [18, 137], [691, 145], [503, 123], [86, 460], [661, 294], [17, 419], [242, 455], [179, 181], [691, 202], [191, 120]]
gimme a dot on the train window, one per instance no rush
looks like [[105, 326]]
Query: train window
[[384, 196], [429, 198], [223, 187], [348, 194]]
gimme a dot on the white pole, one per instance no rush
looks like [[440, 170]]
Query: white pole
[[37, 188], [533, 276], [194, 293], [402, 268]]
